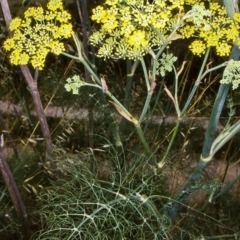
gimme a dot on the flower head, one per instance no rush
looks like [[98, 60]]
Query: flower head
[[136, 26], [38, 33], [142, 26], [212, 27]]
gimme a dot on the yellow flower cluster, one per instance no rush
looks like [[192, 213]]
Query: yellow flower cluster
[[38, 33], [131, 28], [212, 28]]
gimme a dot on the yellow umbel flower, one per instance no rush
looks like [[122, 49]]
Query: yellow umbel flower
[[140, 26], [137, 26], [212, 28], [38, 33], [198, 47]]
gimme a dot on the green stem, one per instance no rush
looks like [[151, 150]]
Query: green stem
[[196, 85], [161, 163], [96, 78], [143, 140], [149, 88], [176, 93], [145, 73], [136, 124], [214, 118], [146, 106]]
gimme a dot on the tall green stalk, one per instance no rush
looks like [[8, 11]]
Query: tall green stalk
[[207, 154], [181, 113], [150, 79]]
